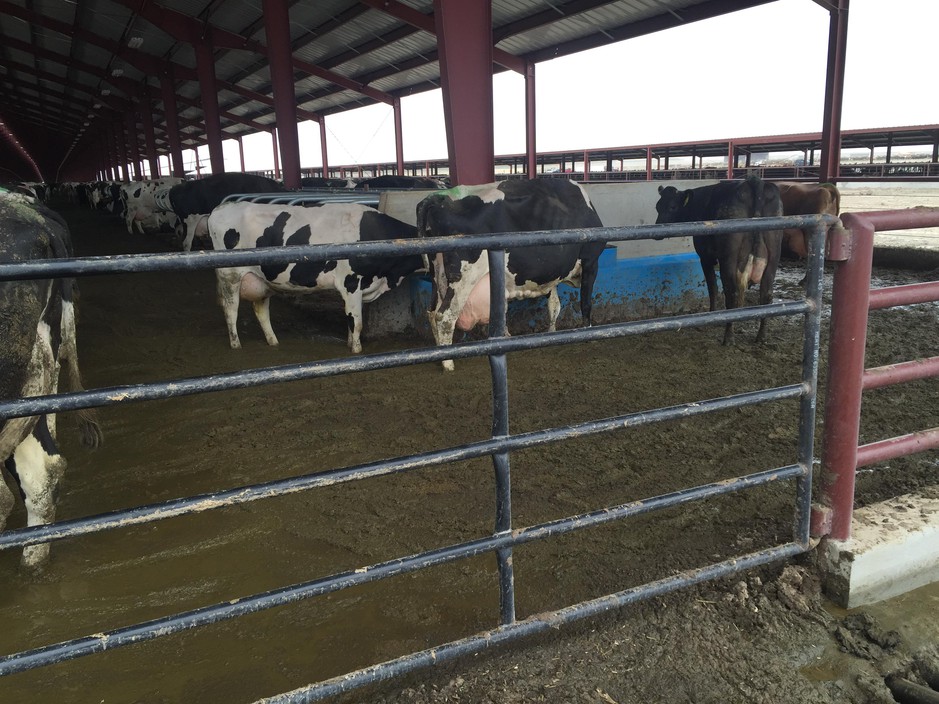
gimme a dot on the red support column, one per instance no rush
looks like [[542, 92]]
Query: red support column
[[730, 160], [323, 150], [172, 125], [276, 160], [146, 116], [399, 138], [849, 306], [121, 150], [280, 60], [830, 161], [241, 152], [648, 163], [531, 153], [464, 39], [133, 147], [205, 67]]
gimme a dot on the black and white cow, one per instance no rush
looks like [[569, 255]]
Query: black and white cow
[[461, 279], [390, 181], [37, 326], [140, 206], [319, 182], [192, 201], [363, 279], [743, 257]]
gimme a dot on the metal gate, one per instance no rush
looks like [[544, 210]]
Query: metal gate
[[505, 535]]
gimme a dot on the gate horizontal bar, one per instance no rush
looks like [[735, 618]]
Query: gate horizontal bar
[[892, 448], [37, 405], [892, 296], [148, 630], [533, 625], [211, 259], [204, 502], [877, 377]]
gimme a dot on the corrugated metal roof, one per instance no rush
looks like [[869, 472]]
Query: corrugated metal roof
[[59, 59]]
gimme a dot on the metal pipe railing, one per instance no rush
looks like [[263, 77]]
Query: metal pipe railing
[[498, 447], [852, 298]]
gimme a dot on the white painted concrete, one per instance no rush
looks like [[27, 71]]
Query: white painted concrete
[[893, 549]]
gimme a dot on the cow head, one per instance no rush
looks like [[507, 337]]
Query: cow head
[[671, 203]]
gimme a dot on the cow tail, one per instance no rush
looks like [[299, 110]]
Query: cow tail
[[88, 427], [756, 191]]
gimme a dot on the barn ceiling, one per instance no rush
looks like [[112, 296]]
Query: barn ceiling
[[69, 69]]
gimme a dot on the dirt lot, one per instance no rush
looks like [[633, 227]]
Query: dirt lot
[[767, 636]]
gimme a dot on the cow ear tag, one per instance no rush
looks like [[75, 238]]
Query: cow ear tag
[[687, 199]]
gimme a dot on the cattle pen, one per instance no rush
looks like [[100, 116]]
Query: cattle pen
[[326, 442]]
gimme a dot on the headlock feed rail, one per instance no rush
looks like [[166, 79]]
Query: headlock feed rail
[[505, 535]]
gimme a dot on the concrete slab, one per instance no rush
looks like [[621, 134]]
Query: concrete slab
[[893, 549]]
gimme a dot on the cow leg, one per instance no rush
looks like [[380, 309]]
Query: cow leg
[[262, 311], [7, 501], [733, 296], [588, 277], [554, 309], [773, 242], [443, 322], [353, 304], [711, 280], [39, 467], [228, 285]]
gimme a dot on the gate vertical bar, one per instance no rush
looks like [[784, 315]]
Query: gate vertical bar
[[811, 339], [500, 428], [849, 304]]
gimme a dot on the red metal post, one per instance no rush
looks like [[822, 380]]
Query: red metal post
[[280, 59], [146, 116], [464, 39], [399, 137], [276, 150], [172, 125], [849, 305], [205, 67], [241, 152], [830, 161], [323, 150], [648, 163], [531, 153], [730, 160], [121, 150], [133, 147], [586, 166]]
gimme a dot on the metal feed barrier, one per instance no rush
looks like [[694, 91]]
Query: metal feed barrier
[[505, 536]]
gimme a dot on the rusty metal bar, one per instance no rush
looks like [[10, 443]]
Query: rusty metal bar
[[892, 296], [899, 373], [892, 448]]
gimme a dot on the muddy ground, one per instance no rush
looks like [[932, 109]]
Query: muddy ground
[[766, 636]]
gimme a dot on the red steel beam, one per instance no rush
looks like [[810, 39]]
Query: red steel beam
[[464, 30], [830, 161], [891, 374], [909, 294], [277, 29], [898, 447]]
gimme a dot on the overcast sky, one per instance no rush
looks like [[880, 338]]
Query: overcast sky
[[754, 72]]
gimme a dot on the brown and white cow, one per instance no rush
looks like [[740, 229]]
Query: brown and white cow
[[37, 326], [461, 279], [805, 199], [358, 280], [743, 257]]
